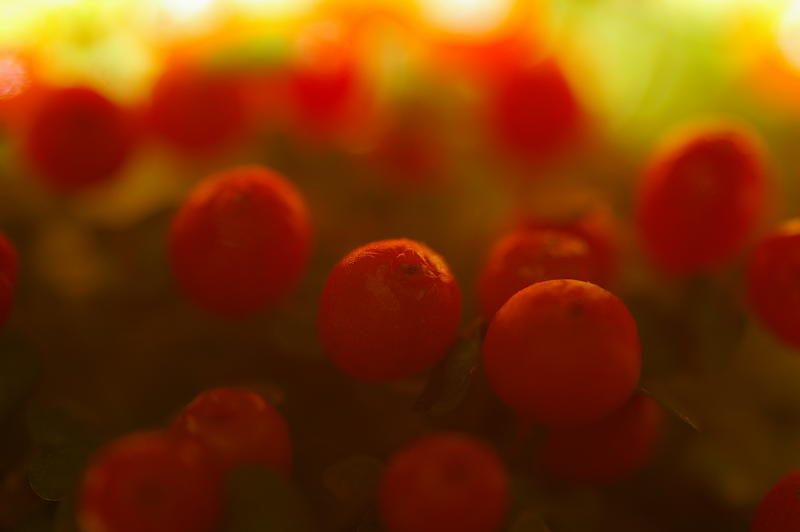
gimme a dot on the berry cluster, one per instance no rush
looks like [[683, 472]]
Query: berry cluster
[[558, 356]]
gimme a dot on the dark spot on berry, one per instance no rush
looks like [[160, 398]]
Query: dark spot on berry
[[575, 310], [410, 269]]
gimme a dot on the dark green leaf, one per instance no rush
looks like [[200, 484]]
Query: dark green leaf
[[452, 378]]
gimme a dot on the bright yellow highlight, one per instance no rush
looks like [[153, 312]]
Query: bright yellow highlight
[[789, 34], [186, 11], [467, 16]]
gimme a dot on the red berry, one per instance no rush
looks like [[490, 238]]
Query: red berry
[[389, 310], [240, 241], [773, 282], [524, 257], [409, 152], [149, 482], [700, 197], [327, 90], [77, 138], [532, 113], [588, 219], [198, 113], [563, 352], [779, 511], [239, 426], [606, 449], [444, 482], [9, 267]]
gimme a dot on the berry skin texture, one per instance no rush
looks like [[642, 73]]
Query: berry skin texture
[[607, 449], [563, 352], [773, 282], [533, 114], [444, 481], [525, 257], [9, 268], [779, 510], [149, 482], [700, 197], [77, 138], [240, 241], [198, 113], [239, 427], [389, 310]]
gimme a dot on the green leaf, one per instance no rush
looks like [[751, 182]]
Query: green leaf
[[259, 500], [452, 378]]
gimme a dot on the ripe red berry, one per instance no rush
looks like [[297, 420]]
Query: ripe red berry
[[606, 449], [779, 510], [533, 114], [9, 267], [444, 482], [700, 197], [327, 91], [773, 282], [77, 138], [389, 310], [409, 152], [563, 352], [198, 113], [523, 257], [149, 482], [239, 427], [582, 215], [240, 241]]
